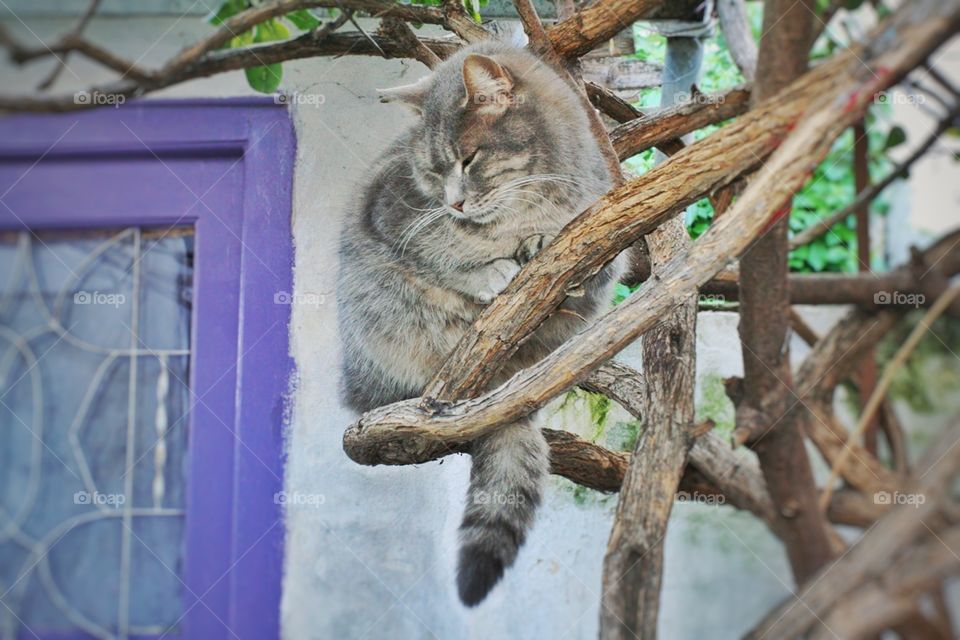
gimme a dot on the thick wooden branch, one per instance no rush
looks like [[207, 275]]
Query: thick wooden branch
[[667, 125], [611, 104], [597, 23], [633, 564], [875, 553], [585, 463], [894, 596], [840, 288], [765, 322]]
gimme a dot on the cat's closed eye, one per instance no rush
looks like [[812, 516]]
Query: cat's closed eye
[[469, 159]]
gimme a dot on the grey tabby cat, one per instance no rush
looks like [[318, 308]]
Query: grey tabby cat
[[499, 161]]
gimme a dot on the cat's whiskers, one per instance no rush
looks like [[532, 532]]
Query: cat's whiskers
[[417, 226]]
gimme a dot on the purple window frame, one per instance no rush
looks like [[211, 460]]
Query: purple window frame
[[156, 161]]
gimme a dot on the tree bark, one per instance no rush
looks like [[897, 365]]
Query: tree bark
[[633, 565], [765, 321]]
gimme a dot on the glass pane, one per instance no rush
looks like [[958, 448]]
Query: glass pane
[[94, 357]]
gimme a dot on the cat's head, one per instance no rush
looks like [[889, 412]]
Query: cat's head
[[498, 135]]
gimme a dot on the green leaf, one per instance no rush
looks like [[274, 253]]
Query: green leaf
[[270, 31], [896, 137], [227, 10], [266, 79], [303, 19], [817, 257]]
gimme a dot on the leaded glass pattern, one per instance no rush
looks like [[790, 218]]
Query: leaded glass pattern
[[94, 400]]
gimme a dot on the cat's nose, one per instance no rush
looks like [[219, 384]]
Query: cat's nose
[[458, 206]]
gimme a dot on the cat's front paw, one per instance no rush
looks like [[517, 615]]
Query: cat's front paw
[[497, 275], [531, 246]]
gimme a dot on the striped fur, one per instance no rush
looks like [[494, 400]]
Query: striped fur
[[499, 161]]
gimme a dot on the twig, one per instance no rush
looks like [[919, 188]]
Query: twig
[[943, 81], [816, 230], [804, 330], [404, 35], [884, 385], [74, 33]]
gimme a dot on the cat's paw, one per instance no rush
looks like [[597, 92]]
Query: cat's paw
[[497, 275], [531, 246]]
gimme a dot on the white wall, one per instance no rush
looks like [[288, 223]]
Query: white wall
[[376, 558]]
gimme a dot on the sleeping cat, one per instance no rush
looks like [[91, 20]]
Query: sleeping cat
[[500, 159]]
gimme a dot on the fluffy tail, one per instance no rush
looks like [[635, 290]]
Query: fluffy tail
[[506, 485]]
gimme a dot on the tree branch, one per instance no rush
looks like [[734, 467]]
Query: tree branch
[[597, 23], [664, 128], [874, 554]]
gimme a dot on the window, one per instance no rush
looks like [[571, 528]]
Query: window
[[145, 258]]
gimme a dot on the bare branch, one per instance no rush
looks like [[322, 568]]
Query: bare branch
[[633, 564], [404, 35], [875, 553], [664, 128], [76, 32], [597, 23]]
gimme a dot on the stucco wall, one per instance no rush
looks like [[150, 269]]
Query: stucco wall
[[372, 556]]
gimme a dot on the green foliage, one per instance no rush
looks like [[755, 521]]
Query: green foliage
[[831, 186], [266, 79]]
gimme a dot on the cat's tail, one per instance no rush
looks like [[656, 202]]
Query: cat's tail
[[506, 486]]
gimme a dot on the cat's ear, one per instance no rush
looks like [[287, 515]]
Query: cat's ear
[[488, 86], [411, 95]]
